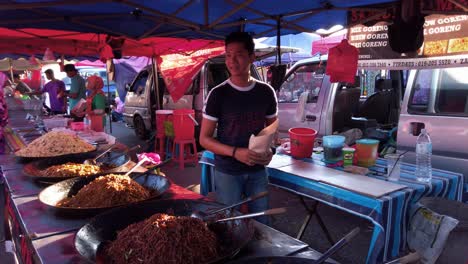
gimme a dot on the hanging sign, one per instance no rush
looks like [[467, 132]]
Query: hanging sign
[[445, 45]]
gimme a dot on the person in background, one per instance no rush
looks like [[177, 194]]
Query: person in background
[[77, 88], [239, 107], [20, 86], [95, 104], [56, 90], [117, 110]]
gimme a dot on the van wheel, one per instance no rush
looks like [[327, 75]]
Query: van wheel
[[140, 129]]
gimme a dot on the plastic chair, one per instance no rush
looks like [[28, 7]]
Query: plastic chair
[[184, 151]]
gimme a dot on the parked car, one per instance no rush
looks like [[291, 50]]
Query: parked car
[[140, 101], [434, 98]]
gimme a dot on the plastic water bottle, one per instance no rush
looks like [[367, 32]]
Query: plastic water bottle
[[423, 157]]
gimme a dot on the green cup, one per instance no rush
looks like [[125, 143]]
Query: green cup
[[348, 156]]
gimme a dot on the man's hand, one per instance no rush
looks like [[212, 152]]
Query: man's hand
[[243, 155], [251, 158], [262, 158]]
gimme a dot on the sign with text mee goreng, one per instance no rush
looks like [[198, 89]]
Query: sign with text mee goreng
[[445, 45]]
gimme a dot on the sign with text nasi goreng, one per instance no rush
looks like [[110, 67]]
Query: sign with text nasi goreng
[[445, 45]]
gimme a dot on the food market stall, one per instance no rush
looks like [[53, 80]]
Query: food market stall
[[46, 234]]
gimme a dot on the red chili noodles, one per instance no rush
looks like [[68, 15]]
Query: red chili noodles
[[165, 239]]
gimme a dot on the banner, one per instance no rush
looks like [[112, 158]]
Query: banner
[[372, 14], [178, 69], [439, 6], [445, 45]]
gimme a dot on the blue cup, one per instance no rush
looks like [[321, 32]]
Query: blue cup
[[333, 148]]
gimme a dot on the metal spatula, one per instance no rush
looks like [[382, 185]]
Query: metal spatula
[[262, 213], [203, 215]]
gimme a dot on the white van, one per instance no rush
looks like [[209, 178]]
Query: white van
[[383, 102]]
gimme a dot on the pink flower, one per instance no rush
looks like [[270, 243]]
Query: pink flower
[[153, 158]]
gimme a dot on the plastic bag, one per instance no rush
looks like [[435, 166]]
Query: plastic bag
[[428, 232]]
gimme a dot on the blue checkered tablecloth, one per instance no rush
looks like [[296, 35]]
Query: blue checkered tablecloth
[[387, 213]]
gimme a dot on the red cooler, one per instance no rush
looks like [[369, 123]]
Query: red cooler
[[184, 123]]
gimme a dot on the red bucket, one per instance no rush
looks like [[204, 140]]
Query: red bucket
[[161, 117], [97, 123], [302, 141], [184, 124]]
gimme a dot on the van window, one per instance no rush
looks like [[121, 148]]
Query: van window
[[448, 86], [140, 83], [452, 97], [419, 101], [307, 78], [217, 73], [368, 79]]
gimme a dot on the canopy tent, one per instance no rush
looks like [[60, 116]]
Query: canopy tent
[[22, 64], [208, 19], [288, 58], [321, 46], [89, 63], [302, 41], [29, 41]]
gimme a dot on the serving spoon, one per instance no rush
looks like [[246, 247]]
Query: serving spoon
[[93, 161], [273, 211], [203, 215]]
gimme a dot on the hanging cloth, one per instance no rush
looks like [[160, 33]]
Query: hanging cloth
[[342, 62]]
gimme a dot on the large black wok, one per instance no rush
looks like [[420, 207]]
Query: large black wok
[[92, 237], [275, 260], [55, 193], [60, 158], [33, 169]]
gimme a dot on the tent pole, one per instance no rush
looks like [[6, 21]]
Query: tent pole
[[11, 69], [278, 39], [155, 83], [109, 97]]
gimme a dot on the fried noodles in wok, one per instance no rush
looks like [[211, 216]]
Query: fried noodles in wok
[[164, 238], [107, 191], [71, 169]]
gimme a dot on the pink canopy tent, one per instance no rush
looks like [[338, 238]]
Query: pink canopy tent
[[322, 45], [75, 44], [97, 63]]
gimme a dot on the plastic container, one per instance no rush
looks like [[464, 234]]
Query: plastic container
[[55, 122], [77, 126], [348, 156], [332, 148], [366, 152], [423, 157], [184, 125], [161, 117], [96, 123], [393, 166], [302, 141]]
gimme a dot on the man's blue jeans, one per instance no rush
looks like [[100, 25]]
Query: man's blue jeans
[[233, 188]]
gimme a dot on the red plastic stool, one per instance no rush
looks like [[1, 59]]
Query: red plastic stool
[[160, 146], [183, 153]]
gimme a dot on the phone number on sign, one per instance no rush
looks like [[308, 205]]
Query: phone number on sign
[[425, 63], [372, 64]]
